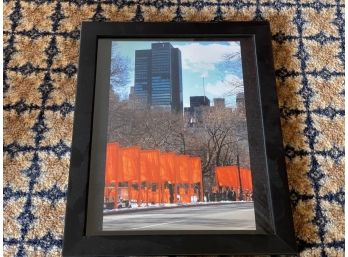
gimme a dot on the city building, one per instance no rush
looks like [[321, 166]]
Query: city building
[[193, 115], [197, 101], [219, 102], [131, 94], [158, 77], [240, 101], [142, 75]]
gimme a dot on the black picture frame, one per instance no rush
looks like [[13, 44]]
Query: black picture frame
[[274, 234]]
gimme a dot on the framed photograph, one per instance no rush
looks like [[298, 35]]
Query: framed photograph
[[177, 146]]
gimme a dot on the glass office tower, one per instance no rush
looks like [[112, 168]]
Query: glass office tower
[[142, 75], [158, 78]]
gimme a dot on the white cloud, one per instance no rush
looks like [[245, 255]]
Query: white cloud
[[230, 85], [202, 58]]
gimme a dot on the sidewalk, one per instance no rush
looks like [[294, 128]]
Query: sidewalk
[[168, 206]]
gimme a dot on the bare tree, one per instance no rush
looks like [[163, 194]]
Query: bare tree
[[218, 137], [233, 84], [132, 123], [231, 56], [120, 70]]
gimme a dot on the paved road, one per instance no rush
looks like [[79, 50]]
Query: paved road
[[217, 217]]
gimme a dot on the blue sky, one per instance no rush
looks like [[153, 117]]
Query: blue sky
[[199, 59]]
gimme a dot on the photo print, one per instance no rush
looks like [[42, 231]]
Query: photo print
[[177, 152]]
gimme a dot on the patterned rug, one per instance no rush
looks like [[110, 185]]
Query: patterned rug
[[41, 40]]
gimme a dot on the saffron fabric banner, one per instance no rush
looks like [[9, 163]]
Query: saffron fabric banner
[[134, 194], [184, 168], [149, 166], [196, 171], [228, 176], [134, 165], [130, 164], [167, 167], [112, 163], [166, 196], [184, 197], [246, 179]]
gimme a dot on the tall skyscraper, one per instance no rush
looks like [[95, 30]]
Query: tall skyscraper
[[158, 77], [142, 75]]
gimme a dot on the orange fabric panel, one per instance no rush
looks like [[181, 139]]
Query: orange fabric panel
[[191, 192], [186, 199], [133, 194], [184, 196], [154, 196], [166, 196], [112, 195], [167, 167], [108, 193], [184, 168], [196, 170], [227, 176], [143, 196], [112, 163], [182, 192], [149, 166], [130, 164], [247, 183], [220, 176], [149, 195], [123, 193]]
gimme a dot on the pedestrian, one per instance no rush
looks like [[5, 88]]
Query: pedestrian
[[234, 195], [171, 193], [219, 196], [224, 192], [241, 196], [229, 194], [211, 196], [207, 195]]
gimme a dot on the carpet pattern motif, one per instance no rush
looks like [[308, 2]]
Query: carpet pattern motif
[[41, 40]]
